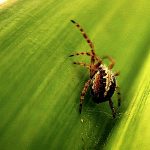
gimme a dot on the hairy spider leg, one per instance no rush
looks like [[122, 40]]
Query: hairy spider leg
[[112, 108], [80, 53], [92, 52], [87, 39], [82, 64], [92, 68], [119, 95], [88, 54], [111, 60], [86, 85]]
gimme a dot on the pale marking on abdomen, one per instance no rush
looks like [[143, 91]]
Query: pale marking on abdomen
[[109, 80]]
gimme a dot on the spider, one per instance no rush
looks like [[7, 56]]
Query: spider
[[102, 80]]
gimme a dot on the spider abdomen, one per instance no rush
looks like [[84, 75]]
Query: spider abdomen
[[103, 84]]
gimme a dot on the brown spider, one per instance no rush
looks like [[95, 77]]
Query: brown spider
[[102, 79]]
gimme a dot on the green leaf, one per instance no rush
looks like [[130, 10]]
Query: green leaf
[[132, 131], [40, 87]]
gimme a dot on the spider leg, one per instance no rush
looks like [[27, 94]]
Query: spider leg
[[92, 52], [88, 41], [81, 53], [82, 64], [87, 84], [119, 95], [112, 108], [88, 54], [111, 60], [84, 34]]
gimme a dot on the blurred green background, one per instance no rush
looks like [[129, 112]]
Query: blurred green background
[[40, 87]]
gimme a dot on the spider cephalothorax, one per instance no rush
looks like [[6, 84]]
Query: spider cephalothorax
[[102, 79]]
